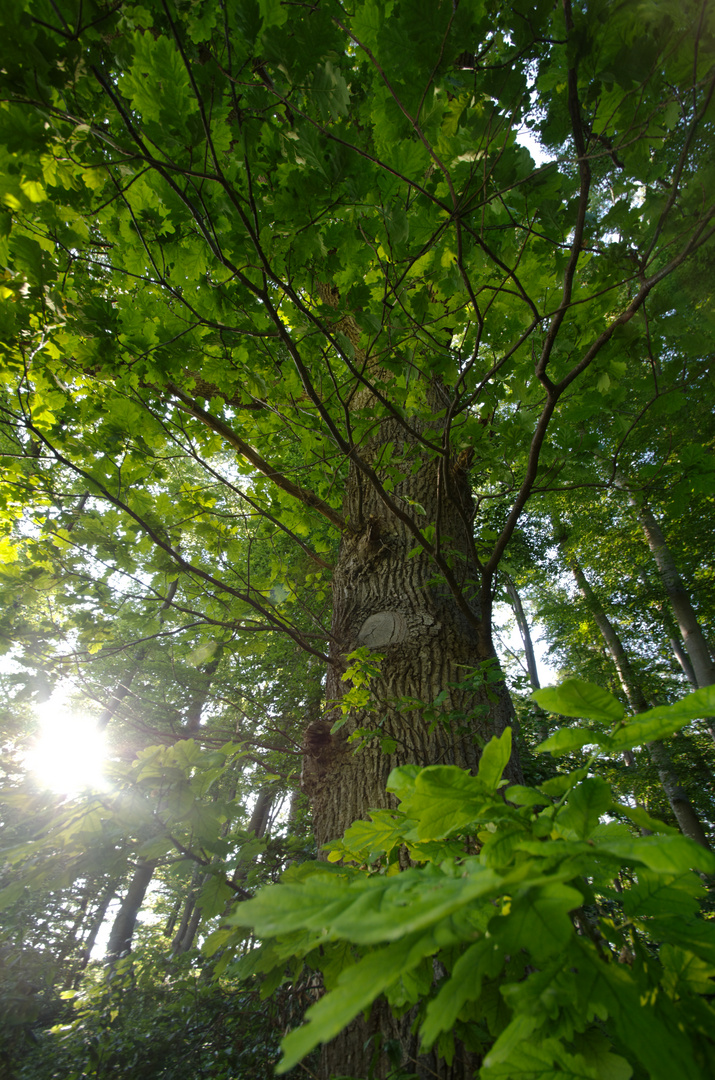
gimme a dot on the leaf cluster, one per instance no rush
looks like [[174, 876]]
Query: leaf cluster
[[533, 923]]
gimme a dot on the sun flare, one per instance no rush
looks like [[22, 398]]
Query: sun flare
[[68, 755]]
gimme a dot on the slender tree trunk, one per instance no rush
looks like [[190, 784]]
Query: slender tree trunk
[[89, 942], [194, 712], [683, 659], [540, 730], [389, 601], [261, 812], [682, 808], [191, 915], [523, 623], [674, 638], [120, 938], [683, 610], [190, 932], [187, 909]]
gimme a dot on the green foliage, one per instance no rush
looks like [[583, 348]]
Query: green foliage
[[157, 1018], [237, 242], [363, 665], [534, 925]]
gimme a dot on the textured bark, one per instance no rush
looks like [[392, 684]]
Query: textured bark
[[389, 599], [392, 602], [680, 804]]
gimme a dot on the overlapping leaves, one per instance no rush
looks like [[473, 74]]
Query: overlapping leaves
[[528, 914]]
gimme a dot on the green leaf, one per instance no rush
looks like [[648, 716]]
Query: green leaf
[[584, 807], [643, 820], [384, 829], [444, 800], [664, 720], [357, 988], [525, 796], [494, 759], [538, 920], [368, 911], [574, 697], [513, 1036], [657, 894], [665, 854], [464, 984], [566, 740]]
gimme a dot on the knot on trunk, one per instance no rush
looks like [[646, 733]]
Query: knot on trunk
[[317, 738], [320, 749]]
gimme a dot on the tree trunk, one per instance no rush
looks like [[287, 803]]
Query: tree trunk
[[683, 610], [120, 938], [190, 922], [389, 600], [523, 623], [89, 942], [683, 659], [261, 812], [682, 808], [187, 908]]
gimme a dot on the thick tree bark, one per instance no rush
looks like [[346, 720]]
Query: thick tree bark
[[388, 598], [680, 804]]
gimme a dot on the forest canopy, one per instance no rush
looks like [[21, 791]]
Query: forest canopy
[[333, 337]]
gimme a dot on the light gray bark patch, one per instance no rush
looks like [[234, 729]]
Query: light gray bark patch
[[391, 628], [384, 628]]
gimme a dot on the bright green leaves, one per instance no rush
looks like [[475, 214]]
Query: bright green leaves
[[584, 808], [513, 925], [157, 82], [494, 760], [363, 910], [577, 698], [357, 988], [445, 799], [538, 920], [664, 720], [655, 894], [574, 697]]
